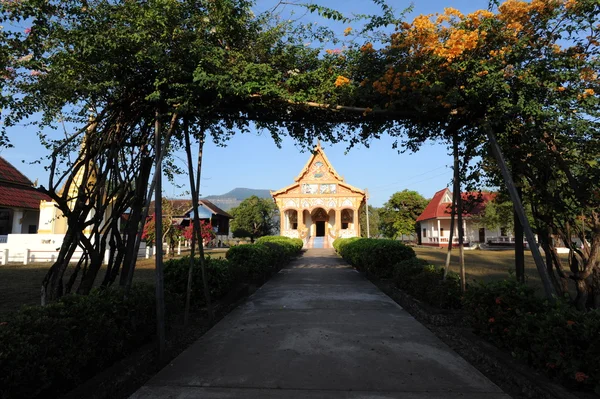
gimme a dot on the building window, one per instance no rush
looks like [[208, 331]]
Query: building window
[[32, 229], [441, 231], [344, 226], [424, 232], [294, 226]]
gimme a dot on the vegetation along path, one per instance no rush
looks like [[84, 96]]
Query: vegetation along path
[[319, 329]]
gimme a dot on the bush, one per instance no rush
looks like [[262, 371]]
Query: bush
[[252, 261], [557, 339], [424, 281], [292, 245], [374, 256], [221, 278], [49, 350]]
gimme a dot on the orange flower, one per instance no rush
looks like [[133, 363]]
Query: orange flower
[[367, 48], [580, 376], [498, 301], [347, 31], [570, 322], [491, 320], [561, 88], [482, 73], [341, 81]]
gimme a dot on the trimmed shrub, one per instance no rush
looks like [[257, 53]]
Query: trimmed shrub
[[252, 261], [424, 281], [374, 256], [47, 351], [292, 245], [221, 278], [557, 339]]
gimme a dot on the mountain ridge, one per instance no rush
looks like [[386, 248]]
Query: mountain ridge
[[234, 197]]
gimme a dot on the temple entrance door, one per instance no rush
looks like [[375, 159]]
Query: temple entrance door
[[320, 228]]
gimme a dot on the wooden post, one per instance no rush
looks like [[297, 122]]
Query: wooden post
[[160, 292], [518, 207], [367, 212]]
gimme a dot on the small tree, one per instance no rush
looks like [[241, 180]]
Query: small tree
[[253, 218], [206, 229], [373, 221], [399, 215]]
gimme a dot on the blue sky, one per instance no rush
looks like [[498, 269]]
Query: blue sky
[[254, 161]]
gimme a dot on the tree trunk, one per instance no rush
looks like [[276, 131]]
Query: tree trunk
[[518, 206], [197, 229], [459, 211], [137, 217], [160, 293], [519, 247], [455, 193], [52, 287], [138, 238]]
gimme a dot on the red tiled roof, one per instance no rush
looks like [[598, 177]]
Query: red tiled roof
[[474, 204], [9, 173], [21, 197]]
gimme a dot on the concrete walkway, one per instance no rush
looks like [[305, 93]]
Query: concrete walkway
[[319, 329]]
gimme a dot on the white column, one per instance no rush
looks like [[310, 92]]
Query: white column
[[5, 257], [26, 257], [179, 248], [439, 230], [16, 224]]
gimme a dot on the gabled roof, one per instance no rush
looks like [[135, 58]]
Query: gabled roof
[[438, 207], [10, 174], [318, 151], [184, 207], [16, 196], [214, 209], [16, 190]]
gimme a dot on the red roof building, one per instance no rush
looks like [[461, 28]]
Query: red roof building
[[19, 201], [436, 217]]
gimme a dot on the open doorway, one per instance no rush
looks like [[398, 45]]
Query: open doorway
[[320, 227]]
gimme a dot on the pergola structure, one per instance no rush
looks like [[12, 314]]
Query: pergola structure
[[319, 203]]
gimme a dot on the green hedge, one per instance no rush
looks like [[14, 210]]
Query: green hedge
[[374, 256], [221, 278], [292, 245], [46, 351], [557, 339], [425, 282]]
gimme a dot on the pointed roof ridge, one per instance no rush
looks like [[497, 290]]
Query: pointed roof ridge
[[318, 150], [9, 173]]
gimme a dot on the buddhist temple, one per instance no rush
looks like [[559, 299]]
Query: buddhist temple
[[319, 206]]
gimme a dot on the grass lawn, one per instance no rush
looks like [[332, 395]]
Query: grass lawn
[[21, 285], [484, 265]]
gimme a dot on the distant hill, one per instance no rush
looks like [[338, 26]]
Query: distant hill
[[236, 196]]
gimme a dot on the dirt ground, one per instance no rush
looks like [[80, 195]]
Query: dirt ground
[[483, 265], [21, 284]]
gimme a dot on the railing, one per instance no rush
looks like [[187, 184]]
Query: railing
[[437, 240]]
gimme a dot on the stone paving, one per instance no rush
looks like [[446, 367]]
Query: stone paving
[[319, 329]]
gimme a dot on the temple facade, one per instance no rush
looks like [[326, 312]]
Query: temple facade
[[319, 206]]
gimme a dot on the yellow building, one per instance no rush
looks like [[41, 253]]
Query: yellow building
[[319, 206]]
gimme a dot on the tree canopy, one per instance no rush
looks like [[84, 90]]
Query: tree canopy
[[399, 214], [253, 218]]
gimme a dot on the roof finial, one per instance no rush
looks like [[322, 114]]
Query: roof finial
[[318, 143]]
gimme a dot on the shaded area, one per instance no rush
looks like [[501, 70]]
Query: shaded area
[[319, 329]]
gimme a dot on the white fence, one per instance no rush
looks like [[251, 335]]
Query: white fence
[[29, 248]]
